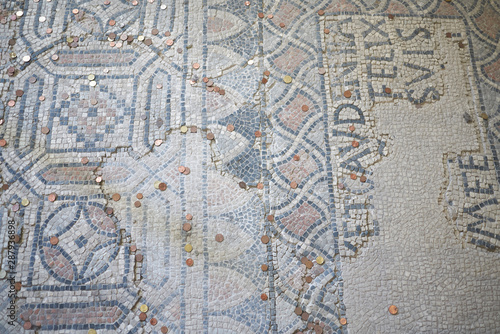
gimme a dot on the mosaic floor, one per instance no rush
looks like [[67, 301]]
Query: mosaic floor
[[213, 166]]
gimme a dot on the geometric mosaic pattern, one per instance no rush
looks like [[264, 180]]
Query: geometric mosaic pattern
[[224, 166]]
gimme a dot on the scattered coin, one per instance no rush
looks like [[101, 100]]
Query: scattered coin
[[309, 264], [321, 70], [186, 171], [116, 197], [3, 142], [85, 160], [169, 42], [296, 157], [184, 129], [52, 197], [260, 186], [258, 134], [139, 196], [270, 218], [353, 176], [287, 79], [230, 127], [137, 204], [305, 108], [25, 202], [139, 257], [45, 130], [19, 92], [282, 25], [219, 238], [264, 267], [210, 136], [347, 94], [181, 169], [112, 22], [158, 142], [155, 31], [164, 329], [189, 262], [148, 41], [186, 227], [242, 185], [326, 31], [143, 316], [162, 186], [54, 240], [109, 211], [133, 248], [27, 325], [355, 143], [153, 321], [264, 81], [194, 129], [352, 128], [263, 296], [390, 16], [260, 15], [267, 73], [264, 239], [321, 12], [270, 16], [196, 66], [362, 178], [189, 216], [11, 103], [393, 310], [17, 238], [309, 279], [75, 11], [387, 90], [343, 321], [293, 185]]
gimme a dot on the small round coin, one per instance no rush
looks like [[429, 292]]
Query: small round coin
[[188, 248], [186, 227], [162, 186], [355, 143], [144, 308], [287, 79], [230, 127], [153, 321], [116, 197], [320, 260], [263, 297], [362, 178], [353, 176], [189, 216], [393, 309], [293, 185], [264, 267], [52, 197], [184, 129], [143, 316], [45, 130], [264, 239], [25, 202], [190, 262], [343, 321], [210, 136], [347, 94], [164, 329], [54, 240], [219, 237]]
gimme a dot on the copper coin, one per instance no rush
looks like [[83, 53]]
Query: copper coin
[[210, 89], [12, 41], [112, 22], [242, 185], [5, 186], [52, 197], [148, 41], [186, 171], [194, 129], [210, 136], [155, 31], [167, 33], [321, 12], [45, 130], [164, 329], [355, 143], [305, 108], [309, 279], [139, 257], [205, 79], [263, 296], [260, 15], [343, 321], [133, 248], [189, 262], [181, 169], [3, 142], [162, 186], [85, 160], [353, 176], [282, 25], [390, 16], [109, 211], [130, 38], [388, 90], [267, 73], [298, 310], [270, 218], [123, 37], [112, 35], [219, 237], [305, 316], [352, 128], [139, 196], [19, 93], [54, 240], [153, 321], [169, 42], [116, 197], [143, 316], [321, 70], [362, 178], [186, 227], [260, 186], [347, 93], [393, 310], [17, 238], [327, 31], [264, 239], [216, 89], [75, 11], [296, 157], [293, 185], [189, 216], [27, 325], [196, 66], [318, 329], [11, 103], [210, 83], [264, 81], [230, 127], [264, 267], [247, 3], [41, 98], [258, 134], [137, 204], [309, 264]]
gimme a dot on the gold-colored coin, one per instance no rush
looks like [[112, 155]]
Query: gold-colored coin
[[25, 202], [188, 248], [92, 331], [93, 84], [320, 260], [69, 39], [140, 38], [13, 55], [91, 77], [157, 184], [144, 308], [184, 129], [287, 79]]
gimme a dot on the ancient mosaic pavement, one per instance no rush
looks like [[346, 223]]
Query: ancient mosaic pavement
[[218, 166]]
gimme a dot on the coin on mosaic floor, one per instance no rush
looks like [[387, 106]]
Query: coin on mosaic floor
[[296, 157], [326, 31], [3, 142], [263, 296], [45, 130], [309, 279], [287, 79], [264, 267], [123, 37], [309, 264], [353, 176], [242, 185], [321, 70], [139, 196], [267, 73], [3, 274], [162, 186], [85, 160], [92, 331], [270, 218], [189, 262], [54, 240], [343, 321], [196, 66], [139, 257], [112, 22], [282, 25], [210, 83], [188, 248], [352, 128], [153, 321], [155, 31], [390, 16], [93, 84], [270, 16], [144, 308], [189, 216], [258, 134], [19, 93], [109, 211], [298, 310], [41, 98], [15, 207], [25, 202], [93, 102], [264, 81], [210, 136], [148, 41], [230, 127], [247, 3], [11, 103], [137, 204], [264, 239], [194, 129], [293, 185], [116, 197], [210, 89], [75, 11], [133, 248], [321, 12], [340, 186], [393, 310], [169, 42], [181, 169], [27, 325], [362, 178], [388, 90], [143, 316], [186, 171], [355, 143], [219, 238], [216, 89], [5, 186], [184, 129], [347, 93], [158, 142], [52, 197], [260, 15], [17, 238], [186, 227], [320, 260], [260, 186], [305, 108], [164, 329]]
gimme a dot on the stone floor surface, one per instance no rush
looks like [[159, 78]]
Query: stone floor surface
[[231, 166]]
